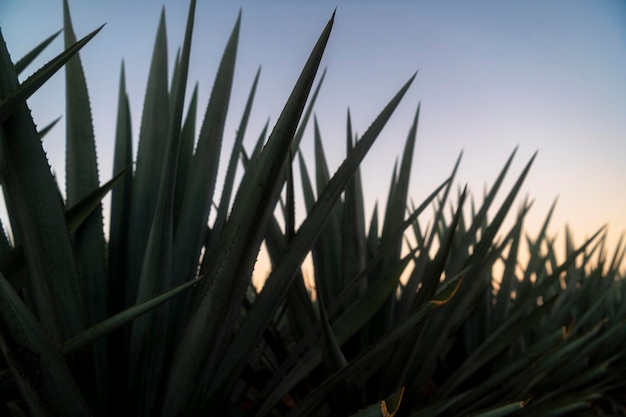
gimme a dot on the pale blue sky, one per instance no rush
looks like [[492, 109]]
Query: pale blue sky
[[547, 76]]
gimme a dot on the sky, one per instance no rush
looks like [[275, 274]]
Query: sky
[[492, 75]]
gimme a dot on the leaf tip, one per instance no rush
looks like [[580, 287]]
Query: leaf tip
[[238, 22]]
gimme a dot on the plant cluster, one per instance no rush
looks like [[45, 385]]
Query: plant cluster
[[162, 319]]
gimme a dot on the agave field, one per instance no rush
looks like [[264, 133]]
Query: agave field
[[423, 310]]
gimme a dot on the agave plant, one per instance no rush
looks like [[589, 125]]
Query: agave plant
[[162, 318]]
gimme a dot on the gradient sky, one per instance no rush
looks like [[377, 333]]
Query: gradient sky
[[493, 75]]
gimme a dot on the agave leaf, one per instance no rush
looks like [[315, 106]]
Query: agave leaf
[[340, 400], [14, 263], [295, 145], [28, 184], [148, 352], [14, 268], [82, 178], [479, 218], [27, 59], [290, 207], [150, 161], [509, 277], [360, 312], [116, 321], [118, 244], [420, 236], [175, 75], [5, 245], [257, 147], [190, 231], [203, 171], [396, 205], [618, 256], [322, 175], [120, 202], [281, 277], [45, 382], [541, 236], [327, 248], [185, 153], [79, 212], [299, 303], [372, 234], [11, 99], [353, 243], [394, 214], [302, 316], [185, 158], [229, 178], [439, 217], [43, 132], [217, 303], [307, 188], [300, 306], [81, 168]]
